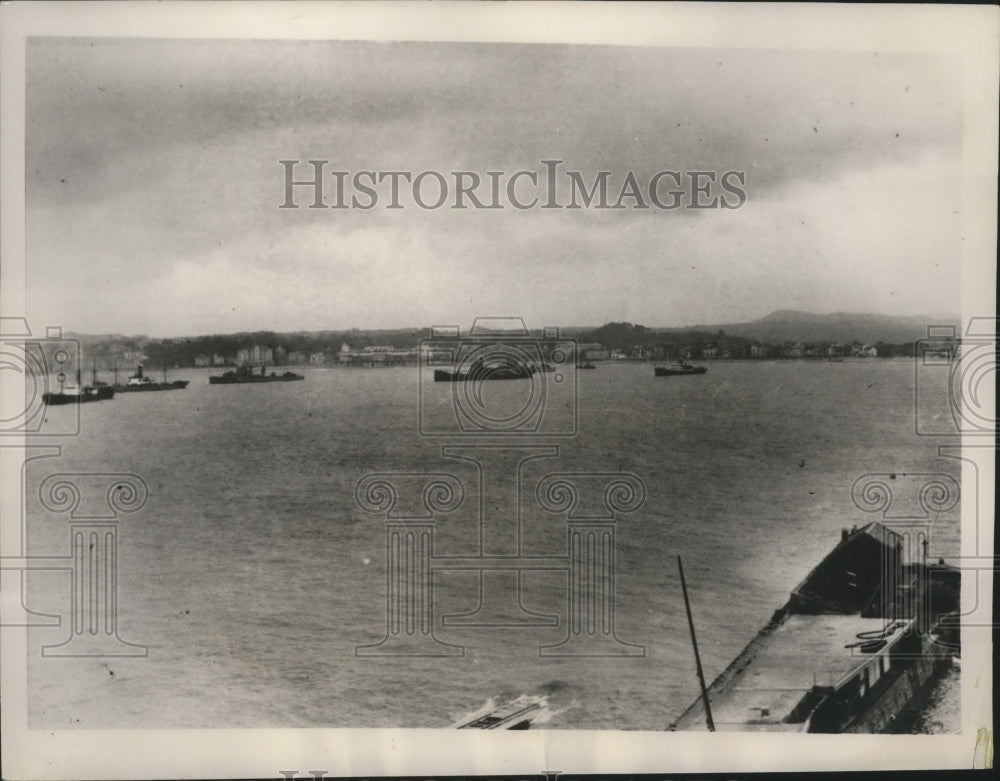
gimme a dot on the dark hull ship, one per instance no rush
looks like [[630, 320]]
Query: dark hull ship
[[139, 382], [245, 374], [861, 639], [504, 369], [79, 393], [679, 370], [443, 375]]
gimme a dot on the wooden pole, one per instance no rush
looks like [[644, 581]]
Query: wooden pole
[[697, 658]]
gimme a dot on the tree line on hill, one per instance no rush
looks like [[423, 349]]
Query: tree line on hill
[[108, 351], [115, 350], [631, 339]]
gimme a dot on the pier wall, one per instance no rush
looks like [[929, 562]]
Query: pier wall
[[900, 695]]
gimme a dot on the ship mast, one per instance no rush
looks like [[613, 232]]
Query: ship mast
[[697, 658]]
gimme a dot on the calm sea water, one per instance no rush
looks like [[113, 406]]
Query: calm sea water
[[252, 574]]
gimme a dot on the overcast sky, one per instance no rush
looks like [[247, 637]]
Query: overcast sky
[[153, 184]]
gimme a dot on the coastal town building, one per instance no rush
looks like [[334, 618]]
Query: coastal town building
[[593, 351], [255, 356], [379, 355]]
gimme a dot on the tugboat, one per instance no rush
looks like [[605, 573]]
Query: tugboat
[[679, 369], [140, 382], [860, 639], [245, 374], [79, 393]]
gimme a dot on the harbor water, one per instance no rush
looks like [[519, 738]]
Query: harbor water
[[252, 574]]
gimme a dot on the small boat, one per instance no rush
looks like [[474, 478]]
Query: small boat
[[79, 394], [140, 382], [585, 365], [518, 713], [245, 374], [679, 369]]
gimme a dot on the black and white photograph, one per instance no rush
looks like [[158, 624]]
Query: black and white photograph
[[496, 388]]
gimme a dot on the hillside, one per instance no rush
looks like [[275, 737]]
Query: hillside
[[774, 329], [789, 325]]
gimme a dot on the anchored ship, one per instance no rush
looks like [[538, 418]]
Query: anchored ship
[[499, 368], [246, 374], [140, 382], [79, 393], [859, 640], [679, 370]]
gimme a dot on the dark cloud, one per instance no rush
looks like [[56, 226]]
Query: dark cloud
[[145, 153]]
